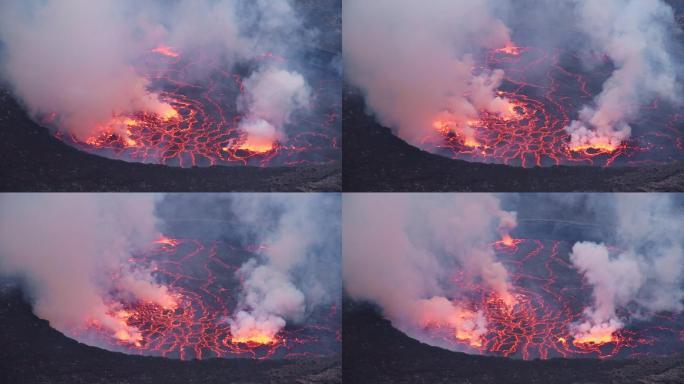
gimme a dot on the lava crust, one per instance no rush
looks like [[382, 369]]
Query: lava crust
[[374, 159], [375, 352], [39, 354]]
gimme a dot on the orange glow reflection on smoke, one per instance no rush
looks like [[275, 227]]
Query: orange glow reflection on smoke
[[166, 51]]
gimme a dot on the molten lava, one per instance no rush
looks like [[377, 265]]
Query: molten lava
[[197, 123], [605, 148], [254, 339], [473, 339], [191, 322], [511, 49], [550, 297], [166, 51], [595, 339], [507, 241], [257, 145], [546, 90]]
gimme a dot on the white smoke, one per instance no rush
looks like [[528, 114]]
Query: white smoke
[[289, 279], [644, 276], [401, 251], [415, 63], [269, 99], [77, 59], [73, 57], [67, 247], [637, 37]]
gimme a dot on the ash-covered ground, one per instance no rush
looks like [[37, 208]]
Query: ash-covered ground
[[33, 352], [376, 352], [374, 159], [34, 160]]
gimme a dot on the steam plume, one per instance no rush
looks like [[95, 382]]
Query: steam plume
[[415, 63], [645, 276], [401, 252], [637, 37], [296, 270], [69, 250], [269, 99], [76, 60], [57, 64]]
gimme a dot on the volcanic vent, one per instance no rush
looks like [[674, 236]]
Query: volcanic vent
[[551, 296], [181, 276], [181, 84], [202, 127], [205, 289], [524, 83], [532, 131], [566, 276]]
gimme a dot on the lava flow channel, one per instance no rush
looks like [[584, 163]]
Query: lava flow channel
[[201, 276], [202, 128], [546, 91], [550, 296]]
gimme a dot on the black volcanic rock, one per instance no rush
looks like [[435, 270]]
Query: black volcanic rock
[[33, 352], [375, 160], [375, 352]]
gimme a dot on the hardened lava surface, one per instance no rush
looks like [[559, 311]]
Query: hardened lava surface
[[202, 129], [201, 276], [546, 90], [551, 296]]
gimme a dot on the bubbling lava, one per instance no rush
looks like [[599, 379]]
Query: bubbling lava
[[198, 123], [192, 324], [545, 92], [549, 297]]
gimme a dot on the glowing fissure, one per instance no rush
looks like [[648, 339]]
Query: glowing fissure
[[532, 132], [192, 321], [550, 300], [195, 124]]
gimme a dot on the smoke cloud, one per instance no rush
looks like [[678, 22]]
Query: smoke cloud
[[298, 264], [643, 276], [82, 63], [401, 252], [637, 37], [416, 66], [56, 62], [268, 101], [71, 250], [420, 69]]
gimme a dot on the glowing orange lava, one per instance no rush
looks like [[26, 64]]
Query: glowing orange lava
[[550, 298], [595, 339], [254, 339], [124, 334], [595, 148], [469, 337], [445, 127], [190, 321], [166, 51], [167, 241], [257, 145], [169, 113], [197, 121], [545, 90], [510, 49], [507, 241]]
